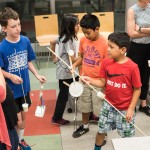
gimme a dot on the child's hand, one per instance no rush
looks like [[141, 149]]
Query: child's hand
[[72, 69], [129, 115], [16, 79], [55, 59], [86, 79], [42, 79]]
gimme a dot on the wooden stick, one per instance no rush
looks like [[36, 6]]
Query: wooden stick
[[70, 60], [66, 83]]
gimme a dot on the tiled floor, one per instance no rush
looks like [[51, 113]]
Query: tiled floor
[[65, 141]]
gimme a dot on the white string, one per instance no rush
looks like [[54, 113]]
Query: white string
[[47, 63], [42, 86], [20, 76], [96, 91], [41, 91]]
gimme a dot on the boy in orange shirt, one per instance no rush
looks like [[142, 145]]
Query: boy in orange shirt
[[93, 49]]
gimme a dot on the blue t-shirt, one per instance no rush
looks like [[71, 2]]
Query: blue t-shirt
[[14, 58]]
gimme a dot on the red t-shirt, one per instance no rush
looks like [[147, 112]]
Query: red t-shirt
[[4, 137], [120, 81], [93, 54]]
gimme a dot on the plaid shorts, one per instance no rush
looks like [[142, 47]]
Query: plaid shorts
[[111, 119]]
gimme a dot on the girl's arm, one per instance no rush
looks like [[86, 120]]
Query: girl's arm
[[143, 30], [52, 46], [131, 109], [42, 79], [3, 87], [131, 26]]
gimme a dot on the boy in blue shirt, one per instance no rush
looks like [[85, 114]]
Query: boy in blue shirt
[[16, 55]]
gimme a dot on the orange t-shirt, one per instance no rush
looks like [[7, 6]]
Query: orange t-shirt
[[93, 54]]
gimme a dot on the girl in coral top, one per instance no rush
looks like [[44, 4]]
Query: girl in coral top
[[4, 137]]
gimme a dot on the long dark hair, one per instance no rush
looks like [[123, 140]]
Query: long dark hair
[[67, 27]]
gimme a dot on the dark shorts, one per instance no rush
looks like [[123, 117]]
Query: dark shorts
[[20, 100]]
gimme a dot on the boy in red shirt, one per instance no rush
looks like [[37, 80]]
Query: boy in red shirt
[[121, 78]]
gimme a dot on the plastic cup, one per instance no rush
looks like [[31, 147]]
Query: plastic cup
[[25, 107]]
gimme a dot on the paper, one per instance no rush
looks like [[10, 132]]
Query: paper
[[40, 111]]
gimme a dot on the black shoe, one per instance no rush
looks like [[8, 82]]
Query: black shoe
[[80, 131], [145, 109], [105, 140]]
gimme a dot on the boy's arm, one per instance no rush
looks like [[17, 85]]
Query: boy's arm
[[3, 85], [99, 82], [131, 109], [96, 82], [14, 78], [42, 79], [78, 61]]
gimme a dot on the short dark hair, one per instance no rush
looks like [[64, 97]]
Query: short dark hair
[[6, 14], [121, 39], [89, 21]]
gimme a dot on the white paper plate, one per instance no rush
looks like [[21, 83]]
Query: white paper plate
[[75, 89]]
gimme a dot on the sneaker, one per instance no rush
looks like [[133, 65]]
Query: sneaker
[[80, 131], [93, 118], [145, 109], [24, 146], [60, 122]]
